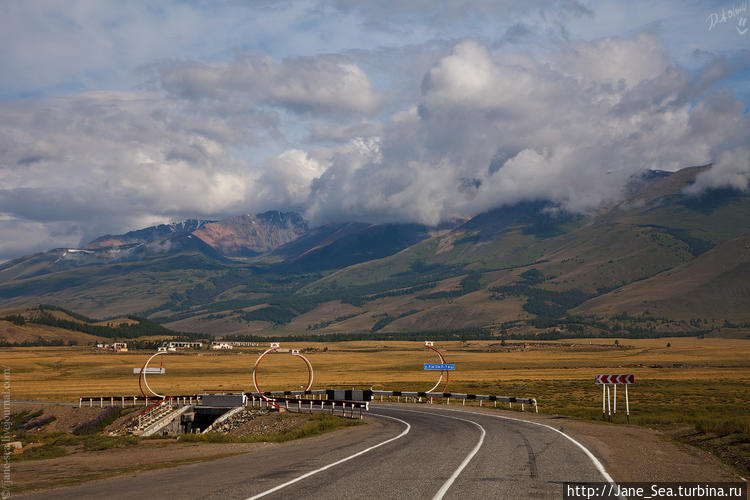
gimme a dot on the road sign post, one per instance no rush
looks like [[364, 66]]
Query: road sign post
[[627, 407], [614, 400], [605, 381]]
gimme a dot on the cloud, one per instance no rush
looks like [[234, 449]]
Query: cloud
[[106, 162], [287, 179], [23, 236], [499, 126], [731, 170], [614, 60], [115, 158], [324, 84], [381, 111]]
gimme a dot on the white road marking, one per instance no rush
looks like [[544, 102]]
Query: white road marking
[[446, 485], [443, 489], [311, 473], [597, 464]]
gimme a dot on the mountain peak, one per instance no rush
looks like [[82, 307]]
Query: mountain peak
[[248, 235], [146, 235]]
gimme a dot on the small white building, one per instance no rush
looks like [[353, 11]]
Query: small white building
[[120, 347], [221, 345], [241, 344], [185, 345]]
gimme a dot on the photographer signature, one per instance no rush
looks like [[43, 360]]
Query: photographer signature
[[723, 16]]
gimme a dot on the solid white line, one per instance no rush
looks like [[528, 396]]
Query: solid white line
[[311, 473], [591, 456], [444, 488]]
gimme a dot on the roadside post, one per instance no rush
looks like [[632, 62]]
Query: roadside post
[[605, 381]]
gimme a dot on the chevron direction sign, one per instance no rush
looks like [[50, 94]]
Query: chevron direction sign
[[615, 379]]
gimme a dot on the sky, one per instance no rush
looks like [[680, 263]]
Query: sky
[[119, 115]]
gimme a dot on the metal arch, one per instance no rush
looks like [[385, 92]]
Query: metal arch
[[142, 375], [294, 352], [429, 345], [274, 347], [310, 372]]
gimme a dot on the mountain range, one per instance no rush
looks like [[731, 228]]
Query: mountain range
[[659, 261]]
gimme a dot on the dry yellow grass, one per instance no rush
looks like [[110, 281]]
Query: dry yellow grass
[[65, 373], [694, 385]]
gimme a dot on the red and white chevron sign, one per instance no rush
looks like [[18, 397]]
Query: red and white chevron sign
[[615, 379]]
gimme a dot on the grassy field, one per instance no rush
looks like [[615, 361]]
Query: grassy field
[[699, 388], [710, 376]]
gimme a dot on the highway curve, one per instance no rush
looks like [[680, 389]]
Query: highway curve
[[420, 451]]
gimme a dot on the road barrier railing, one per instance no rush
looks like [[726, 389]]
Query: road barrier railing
[[310, 405], [124, 401], [325, 396], [317, 392], [430, 396]]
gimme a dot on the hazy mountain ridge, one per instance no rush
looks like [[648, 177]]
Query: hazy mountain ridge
[[519, 265]]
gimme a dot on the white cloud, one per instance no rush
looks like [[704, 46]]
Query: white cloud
[[403, 117], [323, 84], [499, 126], [23, 236], [731, 170], [106, 160], [287, 179], [613, 60]]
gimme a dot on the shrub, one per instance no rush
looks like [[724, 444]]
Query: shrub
[[40, 422], [43, 452], [98, 423]]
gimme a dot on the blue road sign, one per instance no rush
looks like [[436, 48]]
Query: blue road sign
[[439, 366]]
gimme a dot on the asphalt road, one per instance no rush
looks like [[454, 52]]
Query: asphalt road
[[419, 451]]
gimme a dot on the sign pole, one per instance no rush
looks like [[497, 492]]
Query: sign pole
[[609, 408], [614, 402], [627, 407]]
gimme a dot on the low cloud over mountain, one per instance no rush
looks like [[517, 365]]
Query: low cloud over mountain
[[423, 128]]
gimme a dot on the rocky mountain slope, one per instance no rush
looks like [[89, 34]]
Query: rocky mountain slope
[[250, 235]]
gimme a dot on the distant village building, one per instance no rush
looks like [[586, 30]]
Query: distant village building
[[221, 345], [120, 346], [184, 345]]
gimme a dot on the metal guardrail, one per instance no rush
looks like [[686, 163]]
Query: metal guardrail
[[312, 404], [124, 401], [429, 396], [327, 396]]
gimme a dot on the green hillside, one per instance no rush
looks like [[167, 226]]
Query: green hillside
[[657, 262]]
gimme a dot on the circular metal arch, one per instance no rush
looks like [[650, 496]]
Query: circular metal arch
[[429, 345], [310, 373], [142, 376], [294, 352]]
